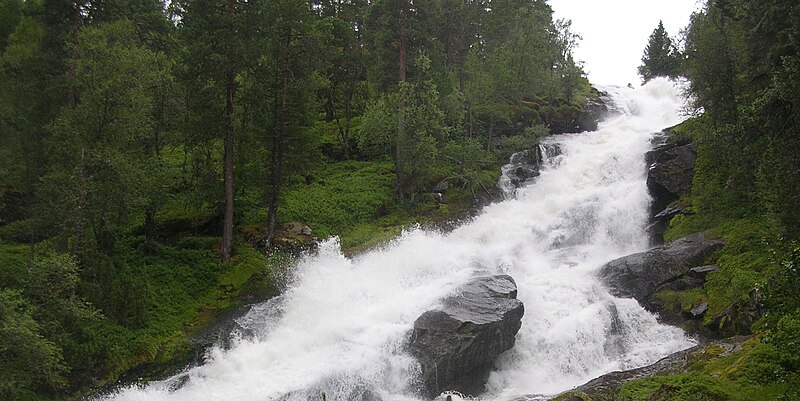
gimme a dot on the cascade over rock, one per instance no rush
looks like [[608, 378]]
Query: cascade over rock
[[674, 266], [457, 343], [409, 316]]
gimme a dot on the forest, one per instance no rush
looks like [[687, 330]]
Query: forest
[[160, 162], [153, 154]]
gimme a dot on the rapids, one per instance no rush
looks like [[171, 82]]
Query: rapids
[[341, 326]]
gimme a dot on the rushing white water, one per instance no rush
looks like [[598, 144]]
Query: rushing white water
[[342, 324]]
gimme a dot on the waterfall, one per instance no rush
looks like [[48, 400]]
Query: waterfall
[[340, 329]]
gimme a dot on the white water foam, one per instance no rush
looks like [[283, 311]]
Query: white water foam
[[342, 325]]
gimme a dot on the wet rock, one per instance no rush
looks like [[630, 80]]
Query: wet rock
[[671, 211], [671, 168], [295, 238], [683, 283], [441, 187], [660, 222], [337, 388], [457, 343], [698, 311], [641, 274], [669, 177], [592, 112], [701, 272]]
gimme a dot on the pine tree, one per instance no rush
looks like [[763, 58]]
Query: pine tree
[[661, 57]]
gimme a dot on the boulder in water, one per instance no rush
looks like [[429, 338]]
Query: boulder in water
[[457, 343]]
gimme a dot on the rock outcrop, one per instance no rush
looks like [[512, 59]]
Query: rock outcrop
[[592, 112], [669, 177], [677, 266], [457, 343], [524, 166]]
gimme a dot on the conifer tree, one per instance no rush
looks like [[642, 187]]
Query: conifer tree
[[661, 57]]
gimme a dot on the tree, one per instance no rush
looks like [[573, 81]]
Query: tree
[[344, 65], [27, 358], [292, 40], [10, 14], [101, 145], [218, 34], [661, 57]]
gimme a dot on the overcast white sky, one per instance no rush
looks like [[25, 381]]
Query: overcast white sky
[[615, 32]]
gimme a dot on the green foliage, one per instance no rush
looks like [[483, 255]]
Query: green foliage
[[529, 138], [685, 387], [375, 135], [114, 118], [661, 57], [342, 196], [10, 14], [754, 373], [28, 360], [746, 261]]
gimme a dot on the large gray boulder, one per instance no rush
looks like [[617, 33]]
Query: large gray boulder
[[642, 274], [457, 343]]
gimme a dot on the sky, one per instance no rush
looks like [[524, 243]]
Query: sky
[[615, 32]]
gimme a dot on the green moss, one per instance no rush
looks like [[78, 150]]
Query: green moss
[[371, 234], [754, 373], [678, 301], [690, 129], [745, 261], [683, 387]]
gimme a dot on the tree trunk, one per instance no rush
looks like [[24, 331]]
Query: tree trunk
[[230, 92], [279, 145], [348, 115], [227, 222], [490, 134], [401, 113], [72, 92]]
